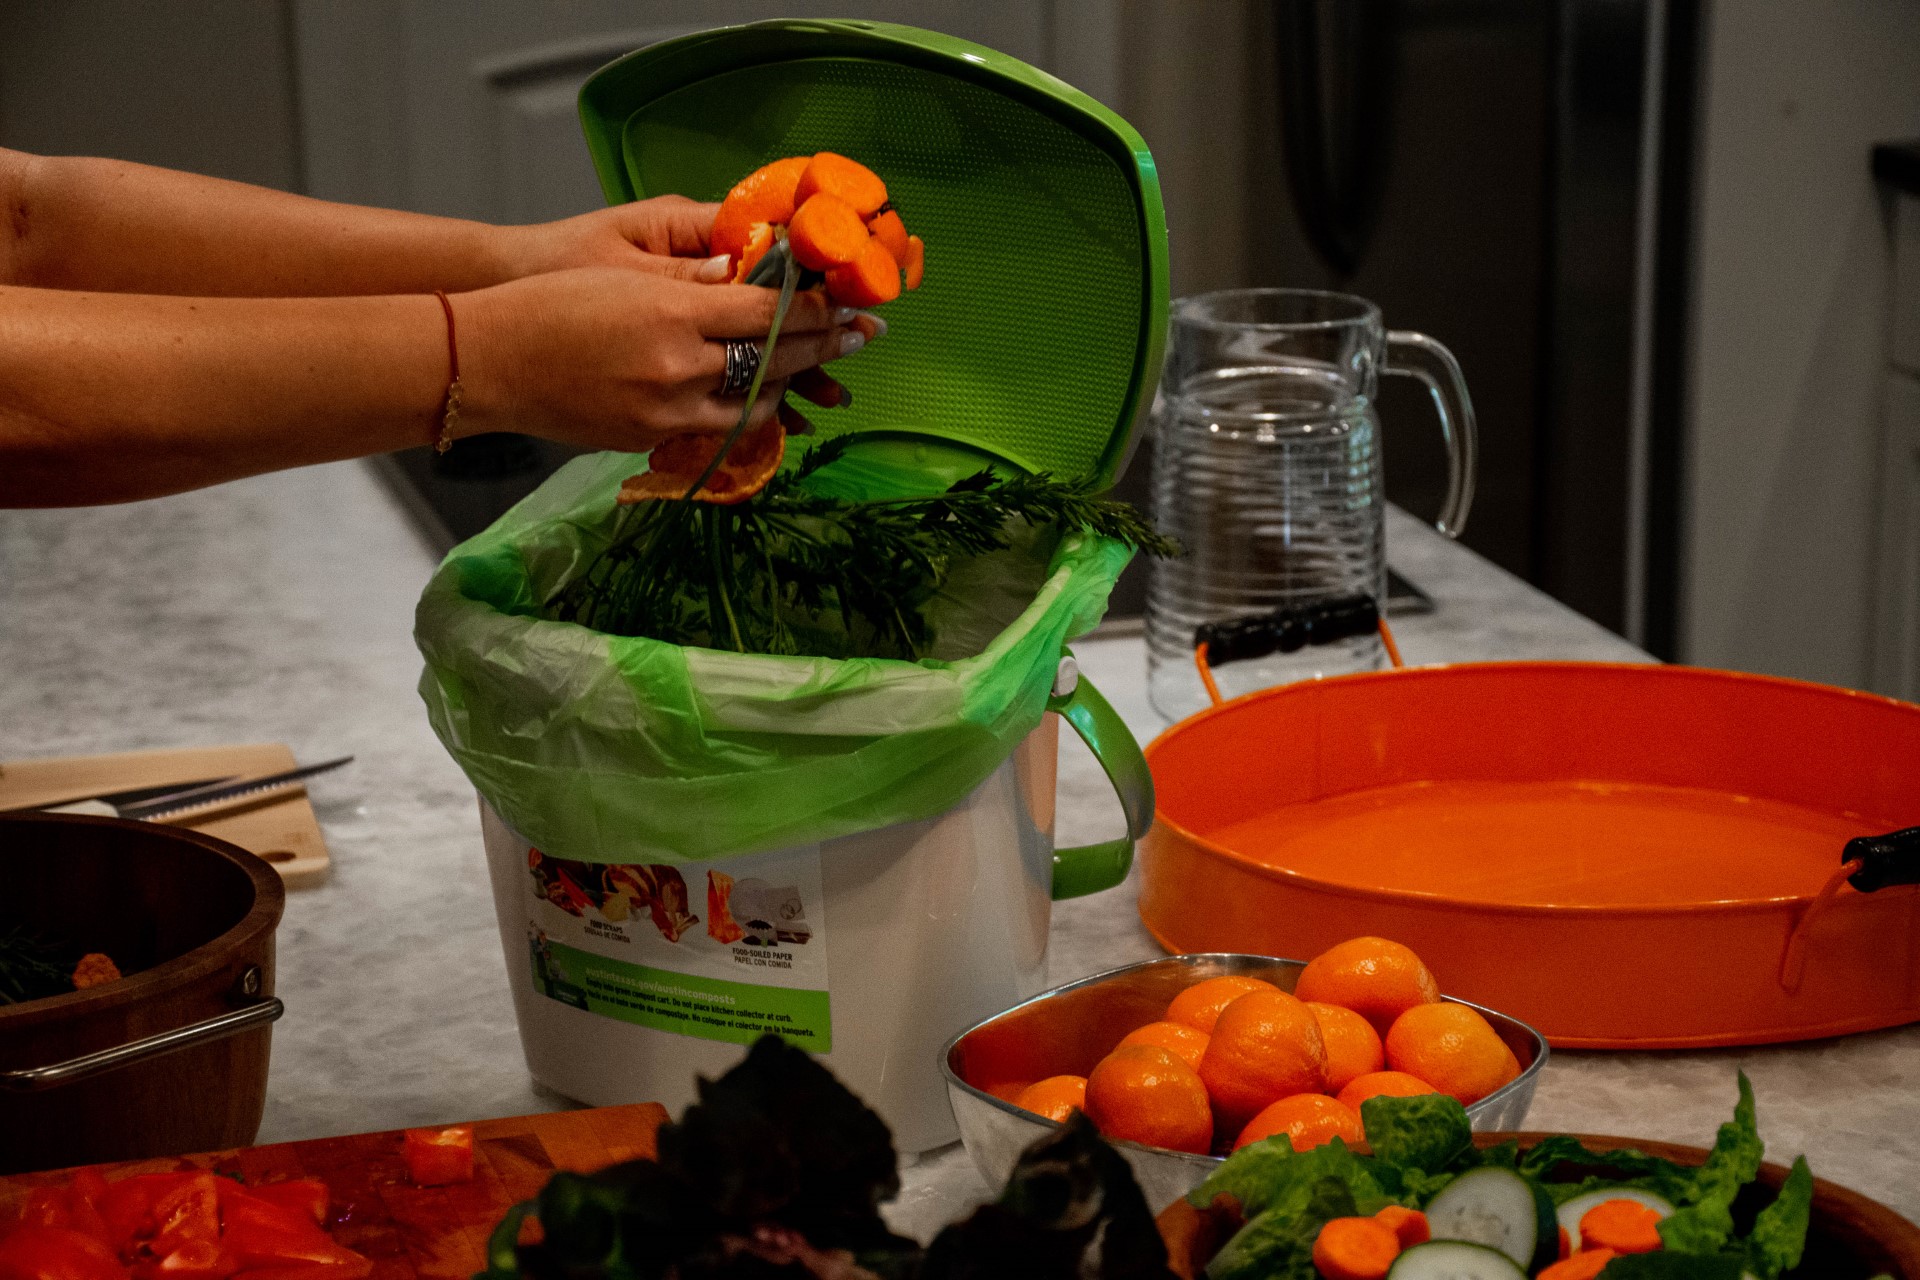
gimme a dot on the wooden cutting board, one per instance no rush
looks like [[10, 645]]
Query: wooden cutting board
[[416, 1233], [279, 827]]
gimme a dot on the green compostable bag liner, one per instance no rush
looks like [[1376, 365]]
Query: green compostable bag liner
[[621, 749]]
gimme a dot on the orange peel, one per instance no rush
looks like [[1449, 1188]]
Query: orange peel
[[677, 462]]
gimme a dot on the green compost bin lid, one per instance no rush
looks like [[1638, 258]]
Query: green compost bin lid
[[1036, 340]]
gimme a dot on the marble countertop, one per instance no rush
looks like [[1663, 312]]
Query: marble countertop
[[280, 609]]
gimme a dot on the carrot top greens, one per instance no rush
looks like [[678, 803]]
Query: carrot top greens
[[796, 571]]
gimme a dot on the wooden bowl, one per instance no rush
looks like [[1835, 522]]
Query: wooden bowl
[[173, 1057], [1850, 1237]]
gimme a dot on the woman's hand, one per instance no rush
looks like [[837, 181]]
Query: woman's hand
[[666, 235], [612, 358]]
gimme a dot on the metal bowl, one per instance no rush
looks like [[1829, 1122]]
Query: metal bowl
[[1067, 1030]]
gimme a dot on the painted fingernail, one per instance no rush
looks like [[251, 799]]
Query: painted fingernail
[[879, 325], [841, 315], [846, 396], [851, 341], [714, 269]]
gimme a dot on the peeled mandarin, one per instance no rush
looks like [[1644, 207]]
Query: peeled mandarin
[[1308, 1119], [1199, 1006], [1383, 1084], [1353, 1046], [1056, 1097], [1452, 1048], [1176, 1037], [1265, 1046], [1142, 1093], [1375, 977]]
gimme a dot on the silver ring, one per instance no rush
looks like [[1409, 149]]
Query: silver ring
[[743, 362]]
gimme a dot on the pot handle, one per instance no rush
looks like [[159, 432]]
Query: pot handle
[[1089, 868], [31, 1079]]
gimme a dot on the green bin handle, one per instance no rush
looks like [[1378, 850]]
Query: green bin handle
[[1093, 867]]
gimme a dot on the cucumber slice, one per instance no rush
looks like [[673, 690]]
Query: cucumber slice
[[1501, 1210], [1454, 1260], [1575, 1209]]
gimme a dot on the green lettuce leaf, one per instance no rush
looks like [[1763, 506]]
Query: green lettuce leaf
[[1780, 1232], [1705, 1224], [1288, 1196], [1550, 1161], [1428, 1131], [1271, 1173]]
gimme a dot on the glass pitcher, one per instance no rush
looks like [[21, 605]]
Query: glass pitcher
[[1267, 468]]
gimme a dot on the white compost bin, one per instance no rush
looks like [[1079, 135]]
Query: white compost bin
[[1034, 347]]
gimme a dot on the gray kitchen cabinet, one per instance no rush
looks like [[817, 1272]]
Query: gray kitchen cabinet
[[1896, 640], [467, 109]]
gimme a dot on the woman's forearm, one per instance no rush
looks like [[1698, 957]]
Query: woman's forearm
[[114, 397], [110, 226]]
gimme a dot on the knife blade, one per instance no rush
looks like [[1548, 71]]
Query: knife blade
[[131, 796], [180, 803]]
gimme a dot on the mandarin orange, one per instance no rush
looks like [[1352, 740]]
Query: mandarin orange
[[1265, 1046], [1056, 1097], [1353, 1046], [1308, 1119], [1376, 978], [1143, 1093], [1377, 1084], [1452, 1048], [1176, 1038], [1199, 1006]]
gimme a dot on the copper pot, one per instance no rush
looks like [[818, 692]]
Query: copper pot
[[173, 1057]]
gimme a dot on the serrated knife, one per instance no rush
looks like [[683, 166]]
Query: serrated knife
[[181, 802]]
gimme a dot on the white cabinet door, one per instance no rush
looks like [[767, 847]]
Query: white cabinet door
[[466, 107]]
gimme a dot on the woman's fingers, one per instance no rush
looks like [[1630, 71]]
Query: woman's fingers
[[746, 311], [794, 421], [822, 388], [714, 270], [797, 352], [720, 413], [667, 225]]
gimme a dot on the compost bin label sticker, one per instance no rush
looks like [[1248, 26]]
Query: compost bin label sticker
[[640, 943]]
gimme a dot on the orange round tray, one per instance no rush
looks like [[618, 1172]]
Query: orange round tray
[[1618, 855]]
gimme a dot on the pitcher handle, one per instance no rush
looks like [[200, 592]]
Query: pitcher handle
[[1089, 868], [1415, 355]]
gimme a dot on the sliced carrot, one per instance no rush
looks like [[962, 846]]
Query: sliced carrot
[[756, 248], [852, 181], [826, 233], [891, 232], [1584, 1265], [867, 281], [1566, 1246], [1355, 1249], [765, 195], [916, 261], [1409, 1226], [1624, 1226]]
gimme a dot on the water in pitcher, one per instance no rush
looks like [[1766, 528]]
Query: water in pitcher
[[1270, 476]]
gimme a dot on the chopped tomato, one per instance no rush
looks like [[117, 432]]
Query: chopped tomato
[[32, 1252], [262, 1234], [190, 1211], [438, 1157], [194, 1260], [307, 1197], [46, 1207], [311, 1271], [84, 1196], [128, 1205]]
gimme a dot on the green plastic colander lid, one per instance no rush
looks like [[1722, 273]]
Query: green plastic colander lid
[[1036, 339]]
